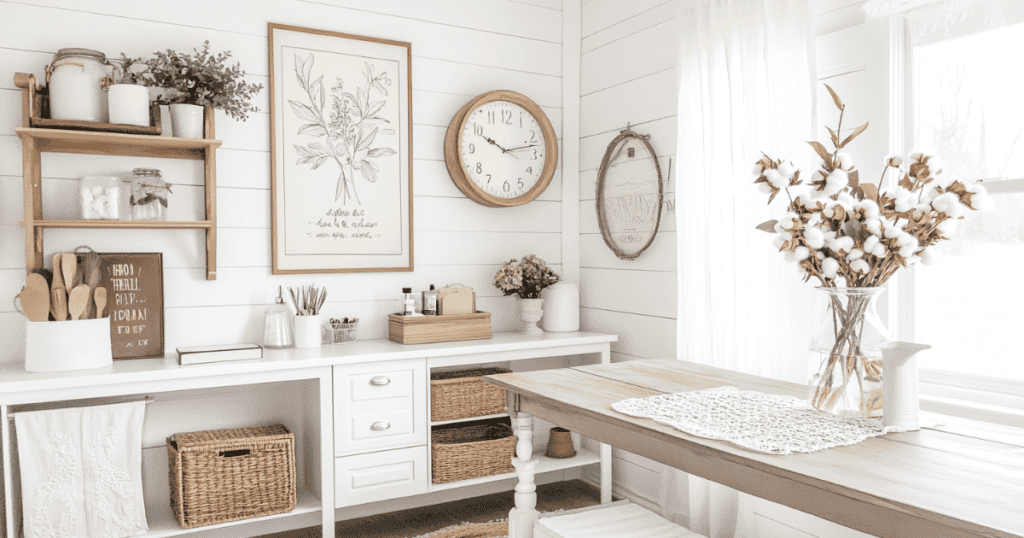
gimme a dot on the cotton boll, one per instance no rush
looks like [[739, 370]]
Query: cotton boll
[[874, 225], [758, 169], [786, 236], [860, 266], [904, 239], [776, 179], [788, 221], [830, 209], [935, 165], [948, 227], [904, 204], [892, 160], [949, 203], [829, 267], [778, 242], [845, 161], [848, 202], [879, 250], [870, 208], [814, 238], [798, 255], [908, 246], [976, 188], [929, 257], [929, 193], [892, 231], [915, 156], [855, 254], [814, 219], [982, 202], [836, 182], [765, 188], [870, 242], [841, 243]]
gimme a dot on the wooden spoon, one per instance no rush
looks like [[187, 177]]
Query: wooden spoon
[[58, 284], [78, 300], [58, 304], [101, 301], [69, 266], [35, 298]]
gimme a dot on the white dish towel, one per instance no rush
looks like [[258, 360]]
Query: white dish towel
[[81, 471]]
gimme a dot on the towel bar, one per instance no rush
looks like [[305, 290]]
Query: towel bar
[[148, 400]]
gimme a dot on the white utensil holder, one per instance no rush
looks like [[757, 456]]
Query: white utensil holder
[[65, 346], [307, 331]]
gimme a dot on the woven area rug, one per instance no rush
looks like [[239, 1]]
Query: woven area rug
[[492, 529]]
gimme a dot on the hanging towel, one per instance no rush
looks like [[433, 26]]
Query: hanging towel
[[81, 471]]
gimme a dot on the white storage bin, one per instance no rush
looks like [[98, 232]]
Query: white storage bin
[[64, 346]]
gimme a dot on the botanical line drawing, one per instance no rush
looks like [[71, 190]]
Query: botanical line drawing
[[350, 126]]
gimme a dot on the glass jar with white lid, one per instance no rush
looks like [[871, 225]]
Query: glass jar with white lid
[[149, 194], [75, 81]]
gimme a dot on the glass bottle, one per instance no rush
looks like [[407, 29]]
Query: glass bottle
[[277, 330], [149, 195], [408, 302]]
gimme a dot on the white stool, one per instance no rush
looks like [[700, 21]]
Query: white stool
[[620, 519]]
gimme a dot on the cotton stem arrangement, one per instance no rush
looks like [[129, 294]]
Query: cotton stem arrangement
[[844, 231]]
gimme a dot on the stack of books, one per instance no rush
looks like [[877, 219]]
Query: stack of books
[[219, 353]]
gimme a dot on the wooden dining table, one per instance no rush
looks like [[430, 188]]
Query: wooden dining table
[[960, 479]]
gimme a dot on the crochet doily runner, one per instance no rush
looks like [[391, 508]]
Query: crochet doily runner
[[756, 421]]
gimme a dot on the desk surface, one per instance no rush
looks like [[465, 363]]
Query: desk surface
[[965, 479]]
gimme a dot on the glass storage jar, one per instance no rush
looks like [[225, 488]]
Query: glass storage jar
[[102, 198], [75, 80], [149, 195]]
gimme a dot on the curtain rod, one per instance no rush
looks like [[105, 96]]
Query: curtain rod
[[148, 400]]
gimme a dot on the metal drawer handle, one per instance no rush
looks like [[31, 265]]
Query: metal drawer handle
[[380, 381], [380, 425]]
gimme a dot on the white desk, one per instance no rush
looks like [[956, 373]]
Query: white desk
[[313, 372]]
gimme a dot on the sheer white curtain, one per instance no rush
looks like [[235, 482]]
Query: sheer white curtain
[[746, 86]]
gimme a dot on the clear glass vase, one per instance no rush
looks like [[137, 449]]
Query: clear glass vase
[[845, 357]]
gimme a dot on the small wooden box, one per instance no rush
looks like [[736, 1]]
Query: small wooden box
[[447, 328]]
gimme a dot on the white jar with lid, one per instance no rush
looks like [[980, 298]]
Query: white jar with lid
[[75, 82], [102, 198]]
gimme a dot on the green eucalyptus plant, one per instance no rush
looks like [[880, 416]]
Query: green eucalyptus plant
[[203, 79], [131, 71]]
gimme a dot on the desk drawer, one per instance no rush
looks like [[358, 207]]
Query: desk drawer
[[380, 476], [380, 406]]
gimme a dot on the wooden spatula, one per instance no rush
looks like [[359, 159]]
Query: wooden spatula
[[78, 300], [35, 298], [101, 301], [58, 284], [69, 267], [59, 304]]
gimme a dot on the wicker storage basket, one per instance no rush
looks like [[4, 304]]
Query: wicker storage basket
[[227, 475], [464, 452], [463, 394]]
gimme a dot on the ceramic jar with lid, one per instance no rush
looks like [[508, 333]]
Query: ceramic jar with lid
[[75, 80], [149, 195]]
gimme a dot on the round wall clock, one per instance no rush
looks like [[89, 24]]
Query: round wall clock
[[500, 149]]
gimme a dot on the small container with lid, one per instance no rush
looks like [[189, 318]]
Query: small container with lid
[[408, 302], [149, 195], [75, 80], [102, 198]]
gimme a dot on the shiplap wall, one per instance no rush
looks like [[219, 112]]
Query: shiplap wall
[[628, 76], [460, 48]]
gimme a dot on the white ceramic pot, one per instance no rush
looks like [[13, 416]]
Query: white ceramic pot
[[530, 311], [65, 346], [128, 104], [307, 331], [561, 308], [187, 120]]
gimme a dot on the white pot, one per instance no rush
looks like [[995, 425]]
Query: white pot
[[562, 308], [128, 104], [307, 331], [64, 346], [530, 311], [187, 120]]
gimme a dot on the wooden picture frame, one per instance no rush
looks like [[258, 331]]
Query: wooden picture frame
[[629, 205], [135, 302], [341, 152]]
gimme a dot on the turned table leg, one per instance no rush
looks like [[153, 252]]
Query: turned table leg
[[525, 514]]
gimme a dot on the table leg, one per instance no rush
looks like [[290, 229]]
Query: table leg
[[525, 514], [8, 493], [327, 453], [606, 449]]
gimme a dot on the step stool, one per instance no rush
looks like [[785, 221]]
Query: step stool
[[620, 519]]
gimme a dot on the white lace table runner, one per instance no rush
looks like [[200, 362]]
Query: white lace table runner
[[755, 421]]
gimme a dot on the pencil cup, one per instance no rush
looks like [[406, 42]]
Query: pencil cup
[[307, 331]]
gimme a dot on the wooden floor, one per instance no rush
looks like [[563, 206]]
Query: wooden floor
[[417, 521]]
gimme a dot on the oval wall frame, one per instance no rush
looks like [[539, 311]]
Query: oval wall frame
[[630, 191]]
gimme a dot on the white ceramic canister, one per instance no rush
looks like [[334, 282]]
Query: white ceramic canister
[[75, 80], [561, 308], [129, 104], [65, 346], [307, 331]]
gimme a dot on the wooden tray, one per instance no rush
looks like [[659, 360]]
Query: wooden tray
[[39, 109], [447, 328]]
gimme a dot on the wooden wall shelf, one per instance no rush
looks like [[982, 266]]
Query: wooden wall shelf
[[35, 141]]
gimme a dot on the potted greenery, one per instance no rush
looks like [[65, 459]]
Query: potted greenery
[[128, 95], [198, 80]]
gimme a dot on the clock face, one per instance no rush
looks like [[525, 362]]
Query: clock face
[[503, 149]]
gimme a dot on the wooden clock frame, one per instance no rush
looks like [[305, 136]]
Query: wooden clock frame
[[453, 148]]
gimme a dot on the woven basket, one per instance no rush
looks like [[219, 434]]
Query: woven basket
[[465, 452], [464, 394], [227, 475]]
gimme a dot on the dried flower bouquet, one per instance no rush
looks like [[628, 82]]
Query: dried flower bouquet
[[845, 232], [525, 279]]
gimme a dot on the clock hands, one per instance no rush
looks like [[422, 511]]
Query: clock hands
[[495, 144], [523, 147]]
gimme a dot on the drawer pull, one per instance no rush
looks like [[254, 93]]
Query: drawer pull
[[380, 425], [380, 381]]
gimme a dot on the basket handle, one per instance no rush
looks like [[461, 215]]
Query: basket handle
[[380, 381], [235, 453]]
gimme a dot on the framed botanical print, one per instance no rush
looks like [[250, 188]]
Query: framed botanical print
[[341, 152]]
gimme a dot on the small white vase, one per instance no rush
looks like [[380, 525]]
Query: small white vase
[[901, 401], [128, 104], [562, 308], [187, 120], [307, 331], [530, 311]]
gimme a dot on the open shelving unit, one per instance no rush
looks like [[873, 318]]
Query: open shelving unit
[[35, 141]]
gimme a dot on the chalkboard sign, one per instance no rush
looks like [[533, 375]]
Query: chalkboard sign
[[135, 302]]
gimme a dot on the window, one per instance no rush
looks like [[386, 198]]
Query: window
[[965, 106]]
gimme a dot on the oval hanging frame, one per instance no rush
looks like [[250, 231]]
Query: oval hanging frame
[[631, 205]]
